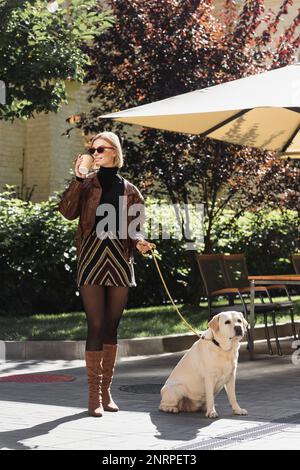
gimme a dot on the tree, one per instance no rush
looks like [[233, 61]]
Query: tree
[[39, 50], [160, 49]]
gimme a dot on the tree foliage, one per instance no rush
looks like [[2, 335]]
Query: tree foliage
[[39, 50]]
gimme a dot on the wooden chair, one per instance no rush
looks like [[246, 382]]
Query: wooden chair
[[237, 273], [296, 262], [217, 284]]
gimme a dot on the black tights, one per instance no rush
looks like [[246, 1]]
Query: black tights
[[103, 306]]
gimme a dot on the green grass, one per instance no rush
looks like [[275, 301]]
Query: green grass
[[151, 321]]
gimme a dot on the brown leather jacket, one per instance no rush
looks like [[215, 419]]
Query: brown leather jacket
[[81, 199]]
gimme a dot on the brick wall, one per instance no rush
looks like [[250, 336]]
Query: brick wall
[[47, 156], [37, 162], [12, 138]]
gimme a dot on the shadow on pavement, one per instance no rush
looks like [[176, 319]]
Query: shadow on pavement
[[11, 439], [268, 387]]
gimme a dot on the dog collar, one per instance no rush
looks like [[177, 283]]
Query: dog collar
[[213, 340]]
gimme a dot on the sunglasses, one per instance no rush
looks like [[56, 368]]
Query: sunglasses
[[100, 149]]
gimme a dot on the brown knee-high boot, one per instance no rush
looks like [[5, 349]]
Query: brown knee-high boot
[[109, 360], [93, 361]]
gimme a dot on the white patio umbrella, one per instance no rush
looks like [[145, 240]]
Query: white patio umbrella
[[261, 111]]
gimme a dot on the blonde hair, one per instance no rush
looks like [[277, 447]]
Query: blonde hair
[[113, 139]]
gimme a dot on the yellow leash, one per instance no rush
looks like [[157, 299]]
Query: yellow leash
[[153, 247]]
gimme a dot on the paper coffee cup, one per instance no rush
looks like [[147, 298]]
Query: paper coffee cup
[[86, 164]]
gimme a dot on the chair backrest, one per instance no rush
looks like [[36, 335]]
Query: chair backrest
[[296, 262], [236, 270], [213, 273]]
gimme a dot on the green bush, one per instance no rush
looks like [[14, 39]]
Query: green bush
[[268, 239], [38, 256]]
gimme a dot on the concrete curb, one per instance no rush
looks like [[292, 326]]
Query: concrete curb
[[71, 350]]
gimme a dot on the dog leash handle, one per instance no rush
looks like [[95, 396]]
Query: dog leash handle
[[153, 247]]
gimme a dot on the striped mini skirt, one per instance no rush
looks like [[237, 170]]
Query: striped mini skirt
[[101, 261]]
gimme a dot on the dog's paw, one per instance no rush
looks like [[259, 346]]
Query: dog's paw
[[168, 409], [240, 412], [211, 414]]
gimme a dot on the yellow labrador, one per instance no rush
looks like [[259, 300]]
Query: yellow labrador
[[208, 366]]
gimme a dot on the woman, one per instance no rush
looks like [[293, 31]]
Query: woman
[[104, 257]]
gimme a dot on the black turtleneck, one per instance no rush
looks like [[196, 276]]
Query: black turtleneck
[[112, 187]]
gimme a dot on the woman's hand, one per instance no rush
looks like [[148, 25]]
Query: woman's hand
[[143, 246], [77, 161]]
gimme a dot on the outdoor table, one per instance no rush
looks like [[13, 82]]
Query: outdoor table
[[287, 279]]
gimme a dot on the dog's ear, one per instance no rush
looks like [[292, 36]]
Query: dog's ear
[[214, 324], [245, 323]]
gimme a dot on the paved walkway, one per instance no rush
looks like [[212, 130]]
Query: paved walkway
[[53, 415]]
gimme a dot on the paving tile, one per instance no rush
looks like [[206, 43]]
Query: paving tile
[[53, 416]]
